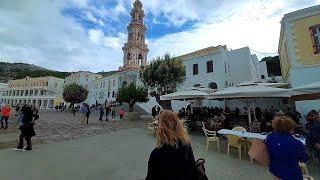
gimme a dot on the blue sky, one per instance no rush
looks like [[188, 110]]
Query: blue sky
[[72, 35]]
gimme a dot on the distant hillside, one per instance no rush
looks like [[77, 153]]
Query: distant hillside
[[11, 71]]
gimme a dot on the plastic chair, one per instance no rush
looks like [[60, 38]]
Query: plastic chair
[[236, 142], [211, 137], [304, 169]]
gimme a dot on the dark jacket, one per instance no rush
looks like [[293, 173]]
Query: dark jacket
[[154, 111], [169, 163], [313, 136], [285, 153], [27, 122]]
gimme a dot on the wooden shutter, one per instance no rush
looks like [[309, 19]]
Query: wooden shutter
[[313, 39]]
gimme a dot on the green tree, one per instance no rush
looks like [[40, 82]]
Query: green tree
[[74, 93], [131, 94], [273, 65], [163, 75]]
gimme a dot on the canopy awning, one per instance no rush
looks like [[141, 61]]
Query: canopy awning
[[182, 95], [307, 92], [252, 91]]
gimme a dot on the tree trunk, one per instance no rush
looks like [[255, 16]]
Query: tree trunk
[[131, 107], [163, 104]]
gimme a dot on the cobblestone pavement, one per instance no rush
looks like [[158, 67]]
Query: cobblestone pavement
[[55, 126]]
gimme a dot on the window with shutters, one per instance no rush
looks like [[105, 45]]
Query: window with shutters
[[209, 66], [315, 38], [195, 69]]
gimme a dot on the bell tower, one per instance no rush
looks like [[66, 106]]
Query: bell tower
[[135, 50]]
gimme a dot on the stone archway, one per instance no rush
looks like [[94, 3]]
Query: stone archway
[[213, 85]]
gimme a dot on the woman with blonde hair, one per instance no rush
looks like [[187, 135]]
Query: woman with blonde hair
[[285, 151], [173, 158]]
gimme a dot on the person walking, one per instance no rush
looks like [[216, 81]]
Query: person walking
[[83, 110], [5, 112], [121, 113], [173, 158], [101, 110], [113, 114], [27, 130], [284, 150], [107, 111], [20, 116], [154, 112], [88, 113]]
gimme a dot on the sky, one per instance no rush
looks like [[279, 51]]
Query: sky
[[73, 35]]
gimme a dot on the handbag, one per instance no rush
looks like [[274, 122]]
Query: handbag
[[200, 172]]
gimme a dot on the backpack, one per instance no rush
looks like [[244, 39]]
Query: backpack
[[200, 173]]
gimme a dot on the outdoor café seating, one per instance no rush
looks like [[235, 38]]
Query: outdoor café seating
[[211, 136], [236, 142]]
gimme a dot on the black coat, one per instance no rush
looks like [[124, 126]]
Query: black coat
[[169, 163], [27, 123]]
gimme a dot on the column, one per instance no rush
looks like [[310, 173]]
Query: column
[[42, 104], [47, 106], [37, 103]]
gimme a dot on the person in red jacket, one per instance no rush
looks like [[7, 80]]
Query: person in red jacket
[[5, 112]]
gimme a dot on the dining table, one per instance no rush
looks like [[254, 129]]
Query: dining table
[[251, 135]]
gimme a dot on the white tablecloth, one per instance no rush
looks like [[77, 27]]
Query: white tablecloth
[[250, 135]]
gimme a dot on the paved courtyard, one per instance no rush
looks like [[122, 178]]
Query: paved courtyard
[[54, 126], [107, 150]]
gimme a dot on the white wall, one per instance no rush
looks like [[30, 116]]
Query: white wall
[[304, 76], [241, 66], [218, 75]]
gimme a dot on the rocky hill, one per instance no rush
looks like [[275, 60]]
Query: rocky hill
[[11, 71]]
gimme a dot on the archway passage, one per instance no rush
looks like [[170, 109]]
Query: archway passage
[[213, 85], [124, 83]]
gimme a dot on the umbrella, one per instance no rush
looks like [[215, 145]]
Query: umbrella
[[255, 91], [250, 92], [182, 95]]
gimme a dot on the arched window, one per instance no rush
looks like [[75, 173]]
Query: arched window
[[196, 85], [213, 85], [140, 59], [124, 83], [129, 58]]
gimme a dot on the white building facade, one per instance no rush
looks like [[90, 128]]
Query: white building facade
[[218, 68], [40, 92], [104, 89]]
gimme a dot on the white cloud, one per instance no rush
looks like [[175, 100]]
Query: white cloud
[[250, 23], [93, 19], [98, 37], [37, 33]]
